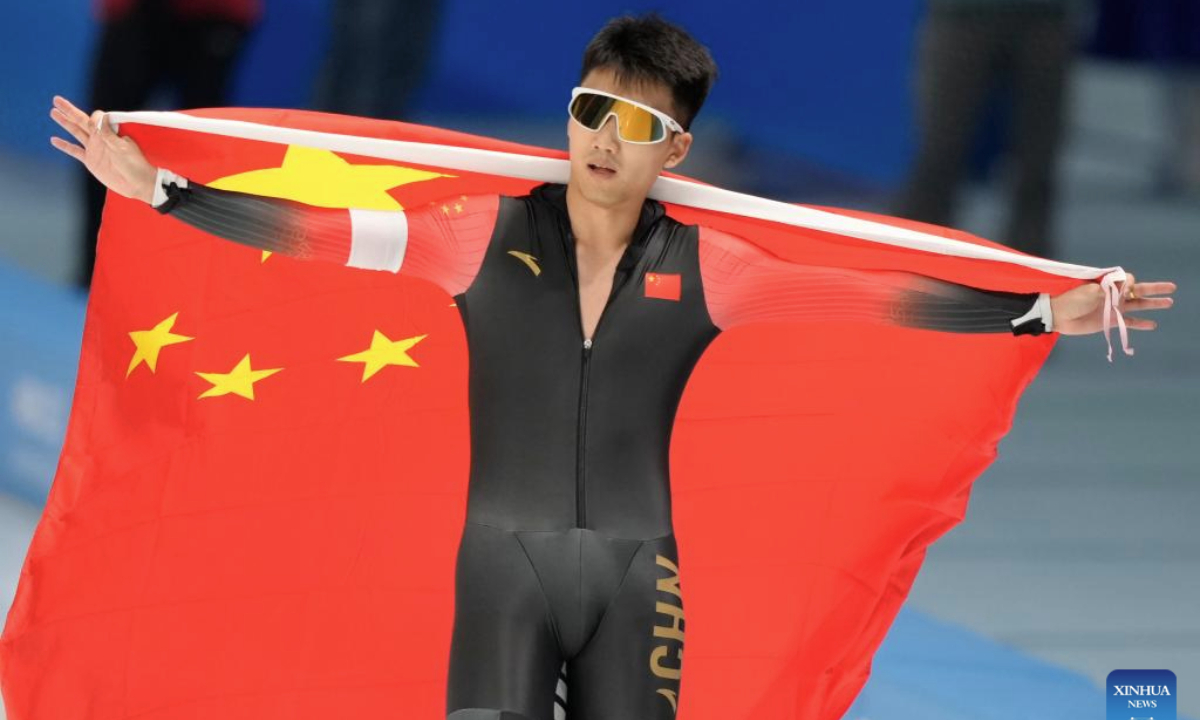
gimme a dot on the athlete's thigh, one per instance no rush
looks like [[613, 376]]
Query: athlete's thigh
[[631, 668], [504, 656]]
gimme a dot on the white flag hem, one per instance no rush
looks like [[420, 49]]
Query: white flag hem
[[671, 190]]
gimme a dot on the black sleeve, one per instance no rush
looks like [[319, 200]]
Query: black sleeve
[[283, 226], [959, 308]]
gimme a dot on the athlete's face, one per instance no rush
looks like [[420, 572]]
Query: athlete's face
[[608, 171]]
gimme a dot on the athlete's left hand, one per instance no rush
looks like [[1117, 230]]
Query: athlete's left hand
[[1080, 311]]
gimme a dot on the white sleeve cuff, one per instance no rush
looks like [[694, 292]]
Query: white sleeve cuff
[[1040, 309], [161, 180], [378, 239], [1047, 316]]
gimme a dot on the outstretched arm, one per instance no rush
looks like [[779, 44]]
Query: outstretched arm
[[743, 284], [445, 245]]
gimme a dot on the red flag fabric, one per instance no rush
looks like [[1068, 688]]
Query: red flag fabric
[[251, 518]]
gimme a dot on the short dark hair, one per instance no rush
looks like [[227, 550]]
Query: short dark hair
[[646, 49]]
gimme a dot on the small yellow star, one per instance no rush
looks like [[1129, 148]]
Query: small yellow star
[[384, 352], [239, 381], [149, 342], [445, 210], [458, 207]]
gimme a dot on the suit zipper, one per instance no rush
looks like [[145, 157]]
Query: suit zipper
[[580, 455], [581, 447]]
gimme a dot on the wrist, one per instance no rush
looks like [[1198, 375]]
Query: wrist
[[164, 186], [1046, 303], [148, 184], [1039, 319]]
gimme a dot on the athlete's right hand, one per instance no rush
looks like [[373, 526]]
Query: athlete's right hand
[[116, 161]]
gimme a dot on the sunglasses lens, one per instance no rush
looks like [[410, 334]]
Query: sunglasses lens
[[590, 110], [634, 124]]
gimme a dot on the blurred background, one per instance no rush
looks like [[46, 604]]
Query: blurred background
[[1065, 128]]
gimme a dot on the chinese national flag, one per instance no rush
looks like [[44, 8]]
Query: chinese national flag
[[662, 285], [259, 500]]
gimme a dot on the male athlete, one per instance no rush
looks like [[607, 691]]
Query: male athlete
[[585, 309]]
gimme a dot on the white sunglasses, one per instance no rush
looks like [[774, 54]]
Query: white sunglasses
[[636, 123]]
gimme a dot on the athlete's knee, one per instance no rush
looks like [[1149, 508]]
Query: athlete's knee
[[486, 714]]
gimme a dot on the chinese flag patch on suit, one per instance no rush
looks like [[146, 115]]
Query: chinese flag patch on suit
[[662, 285]]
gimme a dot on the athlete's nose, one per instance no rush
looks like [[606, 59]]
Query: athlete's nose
[[606, 137]]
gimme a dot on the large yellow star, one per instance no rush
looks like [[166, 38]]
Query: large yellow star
[[384, 352], [319, 177], [239, 381], [149, 342]]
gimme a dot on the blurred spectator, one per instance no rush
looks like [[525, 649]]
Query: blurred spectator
[[189, 46], [1166, 33], [378, 53], [967, 49]]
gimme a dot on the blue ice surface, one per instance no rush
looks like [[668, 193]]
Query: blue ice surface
[[934, 670], [41, 328]]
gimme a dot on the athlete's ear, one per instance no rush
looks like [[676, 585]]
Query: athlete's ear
[[680, 144]]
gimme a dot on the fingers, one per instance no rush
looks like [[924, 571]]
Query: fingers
[[80, 133], [1143, 303], [1144, 299], [71, 149], [105, 133], [1141, 296], [76, 115], [85, 128], [1146, 289], [1137, 323]]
